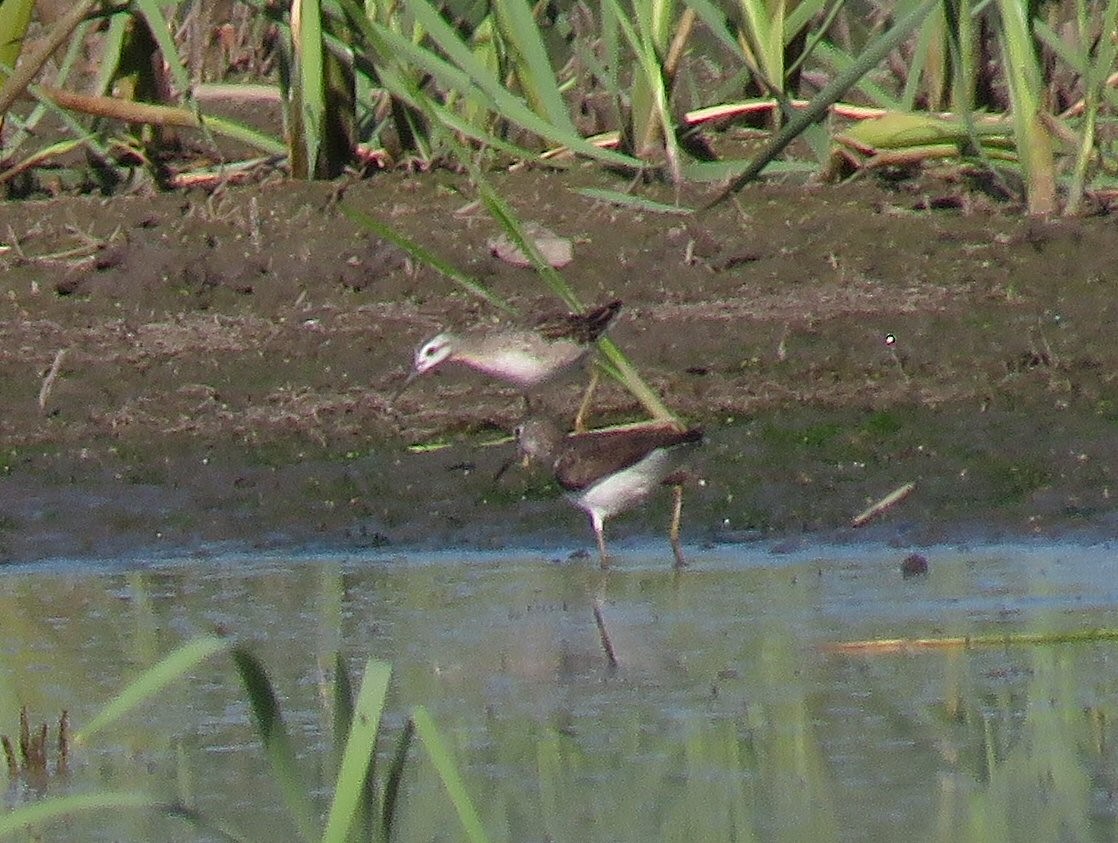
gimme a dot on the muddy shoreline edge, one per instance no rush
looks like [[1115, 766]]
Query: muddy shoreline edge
[[229, 363]]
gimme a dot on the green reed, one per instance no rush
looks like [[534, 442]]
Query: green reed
[[361, 802], [407, 76]]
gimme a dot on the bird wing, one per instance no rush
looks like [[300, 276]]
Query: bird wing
[[587, 457], [583, 328]]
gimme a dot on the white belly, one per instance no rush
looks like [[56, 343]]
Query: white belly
[[625, 489]]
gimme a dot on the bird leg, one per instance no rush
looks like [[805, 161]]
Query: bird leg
[[673, 532], [584, 407], [599, 534]]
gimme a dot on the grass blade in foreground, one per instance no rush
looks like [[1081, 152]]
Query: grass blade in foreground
[[358, 751], [277, 744], [19, 819], [153, 680], [639, 203], [440, 756], [421, 255]]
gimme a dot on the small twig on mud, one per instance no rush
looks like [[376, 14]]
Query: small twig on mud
[[48, 381], [890, 500], [254, 222], [603, 633], [13, 243]]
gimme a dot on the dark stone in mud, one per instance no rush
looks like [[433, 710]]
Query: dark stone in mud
[[914, 565]]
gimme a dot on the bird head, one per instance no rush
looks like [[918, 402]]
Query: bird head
[[433, 352]]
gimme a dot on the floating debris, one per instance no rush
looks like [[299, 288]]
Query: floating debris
[[890, 500], [875, 646]]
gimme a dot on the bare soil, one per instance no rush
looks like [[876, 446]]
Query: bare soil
[[228, 362]]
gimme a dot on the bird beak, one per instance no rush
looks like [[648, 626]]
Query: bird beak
[[505, 467], [407, 382]]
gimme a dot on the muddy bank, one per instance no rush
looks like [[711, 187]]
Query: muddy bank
[[227, 363]]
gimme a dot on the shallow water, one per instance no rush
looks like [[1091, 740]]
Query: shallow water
[[726, 717]]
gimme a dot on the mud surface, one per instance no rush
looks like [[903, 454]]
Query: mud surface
[[226, 364]]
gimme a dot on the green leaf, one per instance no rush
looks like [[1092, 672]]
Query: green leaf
[[15, 16], [157, 24], [18, 819], [277, 744], [469, 77], [423, 256], [530, 63], [310, 85], [358, 752], [639, 203], [153, 680], [440, 756], [829, 95]]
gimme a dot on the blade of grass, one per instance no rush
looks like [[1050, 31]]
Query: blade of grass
[[366, 808], [467, 74], [153, 680], [425, 257], [503, 213], [152, 14], [15, 16], [830, 94], [523, 37], [165, 115], [277, 743], [40, 156], [660, 120], [32, 62], [358, 754], [18, 819], [308, 97], [15, 139], [113, 48], [393, 778], [639, 203], [1026, 92], [440, 756]]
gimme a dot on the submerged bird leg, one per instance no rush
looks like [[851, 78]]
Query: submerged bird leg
[[584, 407], [673, 531]]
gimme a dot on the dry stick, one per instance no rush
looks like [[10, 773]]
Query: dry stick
[[890, 500], [127, 111], [603, 633], [30, 64], [48, 381], [966, 642]]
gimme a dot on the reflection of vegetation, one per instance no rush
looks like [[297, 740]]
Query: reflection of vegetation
[[32, 761], [723, 723]]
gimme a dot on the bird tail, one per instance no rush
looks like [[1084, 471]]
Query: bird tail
[[595, 321]]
